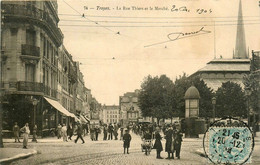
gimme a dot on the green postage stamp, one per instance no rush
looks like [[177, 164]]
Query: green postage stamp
[[229, 141]]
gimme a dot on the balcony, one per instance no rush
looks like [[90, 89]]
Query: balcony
[[29, 86], [50, 92], [30, 50], [31, 14], [47, 90]]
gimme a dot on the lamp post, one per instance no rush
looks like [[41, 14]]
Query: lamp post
[[34, 102], [213, 101], [248, 93]]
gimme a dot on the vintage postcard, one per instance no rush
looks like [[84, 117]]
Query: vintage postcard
[[130, 82]]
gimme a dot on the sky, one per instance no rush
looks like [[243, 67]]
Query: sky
[[120, 42]]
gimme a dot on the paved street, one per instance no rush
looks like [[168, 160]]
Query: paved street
[[109, 152]]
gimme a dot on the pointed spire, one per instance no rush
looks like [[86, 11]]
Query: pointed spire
[[240, 51]]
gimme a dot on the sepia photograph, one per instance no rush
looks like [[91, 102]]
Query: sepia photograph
[[130, 82]]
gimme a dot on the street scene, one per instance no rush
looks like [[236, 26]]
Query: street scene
[[126, 82]]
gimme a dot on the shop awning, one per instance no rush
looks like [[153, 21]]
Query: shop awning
[[59, 107], [76, 119], [86, 118], [82, 119]]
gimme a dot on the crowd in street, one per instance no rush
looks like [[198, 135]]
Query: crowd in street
[[147, 132], [171, 133]]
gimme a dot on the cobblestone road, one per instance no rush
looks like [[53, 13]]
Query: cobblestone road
[[106, 152]]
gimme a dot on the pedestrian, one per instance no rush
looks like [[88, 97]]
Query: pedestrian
[[127, 139], [92, 132], [59, 131], [121, 132], [34, 134], [177, 144], [169, 145], [110, 132], [70, 131], [115, 131], [26, 131], [64, 133], [97, 131], [16, 130], [158, 143], [87, 129], [79, 133], [105, 132]]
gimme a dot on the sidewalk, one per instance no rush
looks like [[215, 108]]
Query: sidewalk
[[44, 140], [10, 154]]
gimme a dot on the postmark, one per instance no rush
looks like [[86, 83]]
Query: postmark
[[228, 141]]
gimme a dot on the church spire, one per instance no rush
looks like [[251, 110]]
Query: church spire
[[240, 51]]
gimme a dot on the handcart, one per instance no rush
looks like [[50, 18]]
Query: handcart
[[147, 146]]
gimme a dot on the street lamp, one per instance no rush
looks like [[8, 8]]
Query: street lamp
[[34, 102], [213, 101], [248, 93]]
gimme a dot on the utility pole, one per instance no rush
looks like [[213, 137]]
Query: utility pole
[[1, 98]]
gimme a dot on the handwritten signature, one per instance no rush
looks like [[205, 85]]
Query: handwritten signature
[[181, 35]]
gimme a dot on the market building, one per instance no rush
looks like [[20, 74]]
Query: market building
[[220, 70]]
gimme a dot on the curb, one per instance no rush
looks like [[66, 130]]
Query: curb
[[200, 152], [19, 156]]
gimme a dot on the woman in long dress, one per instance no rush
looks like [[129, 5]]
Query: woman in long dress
[[158, 143], [64, 133], [26, 132]]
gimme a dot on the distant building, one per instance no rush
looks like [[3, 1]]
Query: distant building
[[129, 109], [111, 114]]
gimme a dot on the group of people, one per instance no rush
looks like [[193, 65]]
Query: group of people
[[173, 137], [94, 132], [62, 131], [111, 131], [67, 132], [25, 131]]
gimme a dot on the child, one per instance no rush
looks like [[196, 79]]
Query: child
[[127, 138]]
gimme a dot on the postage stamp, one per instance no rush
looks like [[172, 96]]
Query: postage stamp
[[230, 141]]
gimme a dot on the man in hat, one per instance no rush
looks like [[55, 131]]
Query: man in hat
[[127, 139], [79, 133], [169, 145], [177, 143]]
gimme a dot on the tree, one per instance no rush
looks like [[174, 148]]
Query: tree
[[156, 97], [231, 100], [251, 81], [181, 84]]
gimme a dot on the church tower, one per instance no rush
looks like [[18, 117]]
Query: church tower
[[240, 51]]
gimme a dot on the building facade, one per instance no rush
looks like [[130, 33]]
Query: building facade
[[110, 114], [40, 83], [129, 109]]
